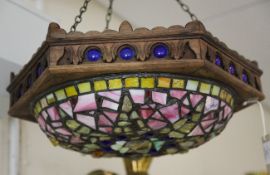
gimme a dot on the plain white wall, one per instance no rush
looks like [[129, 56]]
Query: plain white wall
[[236, 151]]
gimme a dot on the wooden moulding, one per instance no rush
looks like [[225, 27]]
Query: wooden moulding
[[192, 52]]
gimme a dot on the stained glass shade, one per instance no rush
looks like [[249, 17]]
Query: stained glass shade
[[134, 114]]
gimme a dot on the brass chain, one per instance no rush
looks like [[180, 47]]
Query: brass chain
[[185, 7], [108, 17], [78, 18]]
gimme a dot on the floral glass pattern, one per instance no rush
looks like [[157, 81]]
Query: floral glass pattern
[[134, 115]]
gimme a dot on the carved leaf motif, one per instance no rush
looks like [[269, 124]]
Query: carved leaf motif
[[66, 59], [195, 47], [56, 53], [75, 57], [109, 55], [142, 53]]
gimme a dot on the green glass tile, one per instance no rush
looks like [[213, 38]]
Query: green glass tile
[[134, 115], [127, 105], [84, 130], [123, 124], [84, 87], [171, 150], [158, 144], [192, 85], [215, 90], [178, 83], [118, 130], [200, 107], [187, 127], [186, 102], [104, 138], [124, 150], [72, 124], [123, 117], [91, 147], [179, 124], [126, 130], [205, 88], [140, 123], [118, 145], [174, 134], [196, 117], [54, 141], [60, 94], [50, 98], [93, 140], [62, 113], [165, 130], [140, 146], [186, 145]]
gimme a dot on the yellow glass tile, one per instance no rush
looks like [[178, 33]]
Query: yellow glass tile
[[205, 88], [164, 82], [60, 94], [147, 82], [43, 102], [228, 99], [50, 98], [232, 102], [132, 82], [100, 85], [223, 94], [215, 90], [37, 108], [178, 83], [84, 87], [71, 91], [115, 84]]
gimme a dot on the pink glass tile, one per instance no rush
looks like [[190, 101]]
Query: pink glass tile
[[222, 103], [153, 106], [53, 113], [197, 131], [195, 99], [159, 97], [177, 94], [209, 116], [76, 140], [209, 129], [184, 111], [155, 124], [113, 95], [208, 123], [106, 129], [110, 105], [211, 104], [56, 124], [146, 113], [137, 95], [85, 103], [112, 115], [49, 129], [171, 112], [103, 121], [66, 106], [63, 131], [227, 111], [157, 115], [87, 120], [41, 123], [44, 114], [220, 116]]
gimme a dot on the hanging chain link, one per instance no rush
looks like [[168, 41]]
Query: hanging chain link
[[108, 17], [78, 18], [185, 7]]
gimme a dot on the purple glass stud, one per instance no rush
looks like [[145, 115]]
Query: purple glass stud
[[127, 53], [245, 77], [232, 69], [218, 61], [29, 81], [93, 55], [160, 51], [39, 70], [20, 91]]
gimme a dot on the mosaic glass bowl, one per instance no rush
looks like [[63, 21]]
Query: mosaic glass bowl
[[134, 115]]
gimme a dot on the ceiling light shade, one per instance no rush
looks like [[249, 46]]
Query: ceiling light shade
[[133, 93]]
